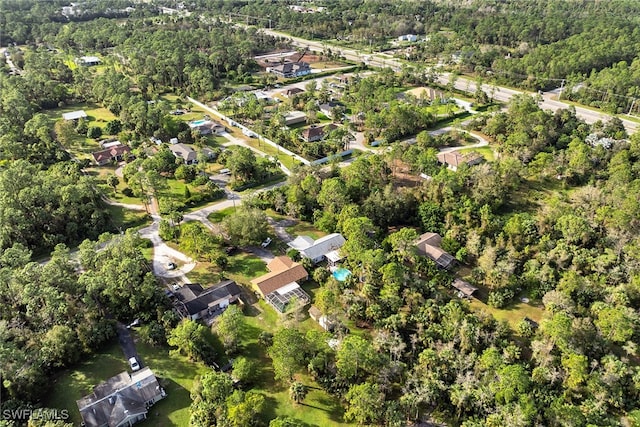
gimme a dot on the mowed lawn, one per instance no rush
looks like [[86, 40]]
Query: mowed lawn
[[319, 408], [485, 151], [81, 146], [78, 382]]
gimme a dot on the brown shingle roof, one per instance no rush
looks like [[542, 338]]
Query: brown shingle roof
[[455, 158], [110, 153], [282, 271], [429, 244]]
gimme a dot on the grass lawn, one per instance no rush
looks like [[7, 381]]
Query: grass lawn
[[306, 229], [318, 408], [204, 273], [125, 218], [81, 146], [218, 216], [176, 375], [513, 314], [243, 267], [272, 151], [73, 384], [486, 152]]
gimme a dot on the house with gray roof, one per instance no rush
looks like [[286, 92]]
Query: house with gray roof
[[195, 302], [122, 400], [186, 153], [317, 250]]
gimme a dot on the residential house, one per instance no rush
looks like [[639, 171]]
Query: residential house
[[408, 38], [290, 69], [327, 109], [195, 302], [280, 285], [317, 250], [464, 288], [316, 133], [88, 61], [122, 400], [292, 92], [207, 127], [428, 245], [294, 117], [74, 115], [186, 153], [112, 154], [455, 159]]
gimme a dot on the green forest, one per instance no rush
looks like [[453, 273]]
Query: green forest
[[546, 228]]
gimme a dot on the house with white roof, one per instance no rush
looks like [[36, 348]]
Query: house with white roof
[[317, 250], [74, 115]]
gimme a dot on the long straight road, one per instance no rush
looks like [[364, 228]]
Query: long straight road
[[502, 94]]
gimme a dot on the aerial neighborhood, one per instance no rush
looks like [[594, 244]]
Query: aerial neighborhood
[[319, 213]]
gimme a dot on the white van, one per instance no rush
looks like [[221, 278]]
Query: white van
[[135, 366]]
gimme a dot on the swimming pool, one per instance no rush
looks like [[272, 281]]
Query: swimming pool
[[198, 122], [341, 274]]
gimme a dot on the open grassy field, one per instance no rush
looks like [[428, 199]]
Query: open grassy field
[[125, 218], [81, 146], [318, 408], [218, 216], [512, 314], [73, 384], [486, 152]]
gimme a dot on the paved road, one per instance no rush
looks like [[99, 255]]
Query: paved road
[[499, 93]]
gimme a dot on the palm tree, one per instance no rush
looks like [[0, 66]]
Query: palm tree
[[298, 392]]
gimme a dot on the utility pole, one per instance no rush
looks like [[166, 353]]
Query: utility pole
[[631, 108]]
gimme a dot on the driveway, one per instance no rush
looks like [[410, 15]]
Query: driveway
[[126, 343]]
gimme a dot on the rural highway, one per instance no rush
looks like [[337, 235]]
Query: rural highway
[[499, 93]]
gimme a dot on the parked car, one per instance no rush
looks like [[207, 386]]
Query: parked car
[[171, 266], [266, 243], [175, 287], [133, 362]]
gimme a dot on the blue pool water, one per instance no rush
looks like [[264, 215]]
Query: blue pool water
[[198, 122], [341, 274]]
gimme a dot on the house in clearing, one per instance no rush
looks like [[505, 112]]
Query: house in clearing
[[316, 133], [465, 290], [291, 92], [207, 127], [186, 153], [290, 69], [88, 61], [428, 244], [280, 285], [317, 250], [294, 117], [74, 115], [327, 108], [122, 400], [195, 302], [455, 159], [111, 154]]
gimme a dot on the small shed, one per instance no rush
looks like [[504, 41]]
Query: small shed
[[464, 287]]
